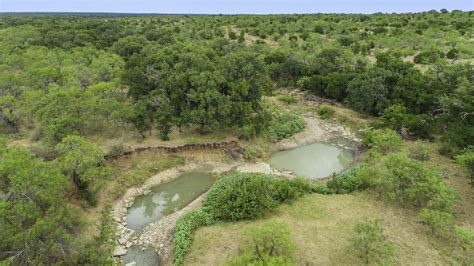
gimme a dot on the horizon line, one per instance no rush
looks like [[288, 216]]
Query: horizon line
[[221, 14]]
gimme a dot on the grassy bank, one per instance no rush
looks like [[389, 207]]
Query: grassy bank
[[322, 226]]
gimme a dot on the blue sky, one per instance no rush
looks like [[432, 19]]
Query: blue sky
[[232, 6]]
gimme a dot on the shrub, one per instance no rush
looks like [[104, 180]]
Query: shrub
[[247, 132], [247, 196], [382, 140], [420, 151], [371, 242], [286, 190], [285, 126], [270, 243], [45, 152], [437, 221], [288, 99], [428, 57], [185, 227], [467, 159], [232, 35], [116, 150], [465, 237], [240, 196], [252, 154], [346, 182], [326, 112], [410, 181]]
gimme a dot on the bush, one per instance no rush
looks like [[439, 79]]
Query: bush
[[247, 132], [185, 227], [326, 112], [252, 154], [346, 182], [398, 177], [248, 196], [428, 57], [240, 196], [371, 242], [465, 237], [116, 150], [437, 221], [270, 243], [420, 151], [45, 152], [288, 99], [467, 159], [232, 35], [286, 190], [285, 126], [382, 140]]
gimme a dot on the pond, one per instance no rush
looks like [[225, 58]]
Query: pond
[[167, 198], [313, 161]]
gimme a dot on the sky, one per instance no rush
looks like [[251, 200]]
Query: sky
[[233, 6]]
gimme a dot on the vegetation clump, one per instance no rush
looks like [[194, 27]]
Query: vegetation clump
[[270, 243], [249, 196], [326, 112], [371, 243], [185, 227], [285, 126]]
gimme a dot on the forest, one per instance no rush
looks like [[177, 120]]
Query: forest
[[76, 90]]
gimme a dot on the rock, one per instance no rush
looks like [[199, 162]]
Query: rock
[[119, 251], [133, 263], [129, 244], [122, 241]]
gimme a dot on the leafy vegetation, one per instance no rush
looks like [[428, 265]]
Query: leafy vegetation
[[285, 126], [185, 227], [38, 224], [248, 196], [371, 242], [268, 244]]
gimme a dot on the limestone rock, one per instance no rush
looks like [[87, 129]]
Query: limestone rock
[[119, 251]]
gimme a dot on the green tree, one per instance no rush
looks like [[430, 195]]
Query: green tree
[[37, 223], [82, 161], [270, 243]]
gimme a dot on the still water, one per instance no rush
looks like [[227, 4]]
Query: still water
[[314, 161], [167, 198]]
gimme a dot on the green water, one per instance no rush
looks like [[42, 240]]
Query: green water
[[314, 161], [167, 198]]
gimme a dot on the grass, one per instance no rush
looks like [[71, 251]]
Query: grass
[[322, 226]]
